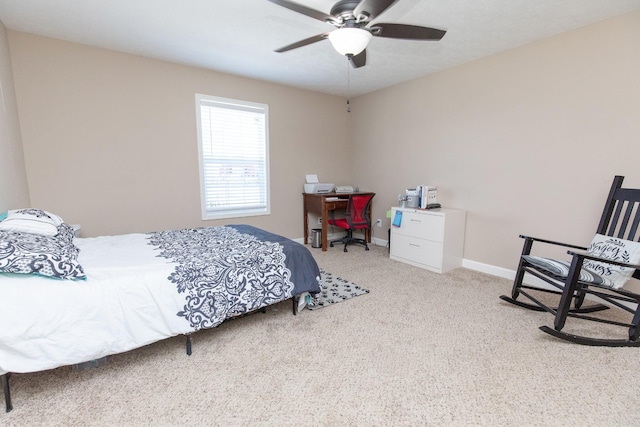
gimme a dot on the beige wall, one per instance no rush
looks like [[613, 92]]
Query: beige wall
[[13, 178], [110, 139], [527, 141]]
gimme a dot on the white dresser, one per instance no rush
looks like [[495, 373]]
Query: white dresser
[[431, 239]]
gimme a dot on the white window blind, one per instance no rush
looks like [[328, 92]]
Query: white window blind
[[233, 147]]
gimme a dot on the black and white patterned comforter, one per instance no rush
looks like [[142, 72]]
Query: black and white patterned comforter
[[227, 271], [142, 288]]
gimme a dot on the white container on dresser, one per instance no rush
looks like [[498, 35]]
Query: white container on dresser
[[431, 239]]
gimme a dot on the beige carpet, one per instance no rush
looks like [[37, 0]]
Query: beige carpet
[[420, 349]]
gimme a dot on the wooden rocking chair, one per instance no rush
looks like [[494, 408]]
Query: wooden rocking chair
[[600, 271]]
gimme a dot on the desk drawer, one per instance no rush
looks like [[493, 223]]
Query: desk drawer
[[417, 250], [336, 205]]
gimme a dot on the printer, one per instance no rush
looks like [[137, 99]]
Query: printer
[[314, 187], [412, 197]]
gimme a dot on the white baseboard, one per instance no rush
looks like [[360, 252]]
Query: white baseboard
[[379, 242], [332, 236], [504, 273], [489, 269], [472, 265]]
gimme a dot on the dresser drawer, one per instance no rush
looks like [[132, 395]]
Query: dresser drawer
[[427, 226], [417, 250]]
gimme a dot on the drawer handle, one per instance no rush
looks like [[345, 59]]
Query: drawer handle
[[416, 220], [413, 244]]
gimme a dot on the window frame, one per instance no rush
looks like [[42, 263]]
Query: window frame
[[235, 104]]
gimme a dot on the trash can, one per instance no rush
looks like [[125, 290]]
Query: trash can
[[316, 238]]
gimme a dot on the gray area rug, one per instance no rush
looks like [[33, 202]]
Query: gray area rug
[[334, 290]]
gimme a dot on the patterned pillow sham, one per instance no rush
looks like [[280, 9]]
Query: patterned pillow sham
[[51, 256], [34, 221]]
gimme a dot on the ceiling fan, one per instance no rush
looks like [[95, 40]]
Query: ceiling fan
[[353, 20]]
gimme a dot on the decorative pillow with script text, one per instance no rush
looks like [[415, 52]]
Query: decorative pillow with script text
[[617, 250]]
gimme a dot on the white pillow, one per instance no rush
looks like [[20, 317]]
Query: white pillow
[[617, 250], [35, 221]]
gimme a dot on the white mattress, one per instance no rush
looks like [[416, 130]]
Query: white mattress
[[126, 302]]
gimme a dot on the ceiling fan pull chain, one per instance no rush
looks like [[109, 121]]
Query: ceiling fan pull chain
[[348, 85]]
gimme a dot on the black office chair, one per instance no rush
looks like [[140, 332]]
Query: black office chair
[[357, 217], [600, 270]]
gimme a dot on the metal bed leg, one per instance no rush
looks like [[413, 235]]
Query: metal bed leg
[[188, 344], [295, 306], [7, 394]]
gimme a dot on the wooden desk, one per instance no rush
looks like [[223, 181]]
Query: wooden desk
[[322, 204]]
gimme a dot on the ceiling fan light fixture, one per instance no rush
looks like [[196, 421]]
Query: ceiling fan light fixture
[[349, 41]]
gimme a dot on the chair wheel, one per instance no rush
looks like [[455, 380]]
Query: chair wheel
[[345, 249], [366, 248], [330, 245]]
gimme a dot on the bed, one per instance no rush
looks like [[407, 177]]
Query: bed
[[66, 300]]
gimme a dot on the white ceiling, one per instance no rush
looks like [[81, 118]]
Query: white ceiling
[[240, 36]]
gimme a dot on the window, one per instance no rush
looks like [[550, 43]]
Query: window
[[233, 145]]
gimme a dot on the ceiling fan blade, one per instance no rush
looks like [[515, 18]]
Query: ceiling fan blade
[[303, 10], [409, 32], [373, 8], [304, 42], [359, 60]]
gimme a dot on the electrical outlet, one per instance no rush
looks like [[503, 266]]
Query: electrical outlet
[[379, 222], [320, 221]]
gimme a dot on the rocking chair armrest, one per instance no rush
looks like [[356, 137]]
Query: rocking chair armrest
[[551, 242], [605, 260]]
